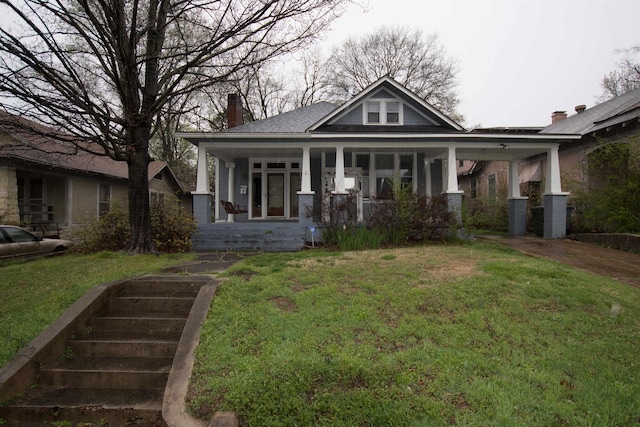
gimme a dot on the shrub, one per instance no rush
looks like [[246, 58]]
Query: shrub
[[110, 232], [402, 218], [486, 214], [172, 228]]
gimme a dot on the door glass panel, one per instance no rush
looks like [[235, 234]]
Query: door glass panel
[[275, 194], [256, 198], [293, 194]]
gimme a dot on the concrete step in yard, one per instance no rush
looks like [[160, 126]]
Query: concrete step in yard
[[113, 372]]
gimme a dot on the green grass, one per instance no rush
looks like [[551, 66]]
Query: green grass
[[473, 335], [35, 293]]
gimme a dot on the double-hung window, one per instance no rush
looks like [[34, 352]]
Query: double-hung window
[[104, 198], [393, 112], [383, 112], [373, 112]]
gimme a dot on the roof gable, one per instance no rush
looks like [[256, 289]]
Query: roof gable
[[415, 113]]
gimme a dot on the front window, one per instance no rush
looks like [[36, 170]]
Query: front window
[[104, 199], [384, 175], [492, 186]]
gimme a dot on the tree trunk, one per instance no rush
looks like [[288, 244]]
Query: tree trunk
[[139, 213]]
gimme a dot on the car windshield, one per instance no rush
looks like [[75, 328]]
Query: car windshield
[[18, 235]]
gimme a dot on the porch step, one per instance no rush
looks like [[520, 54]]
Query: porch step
[[115, 370], [270, 237]]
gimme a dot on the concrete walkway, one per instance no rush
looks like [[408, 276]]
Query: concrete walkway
[[616, 264]]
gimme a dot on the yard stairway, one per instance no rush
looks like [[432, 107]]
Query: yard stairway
[[113, 372]]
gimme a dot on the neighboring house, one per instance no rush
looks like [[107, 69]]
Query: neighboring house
[[615, 120], [282, 168], [49, 185]]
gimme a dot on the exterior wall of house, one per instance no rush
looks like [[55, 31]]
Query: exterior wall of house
[[484, 187], [9, 211], [84, 196], [163, 184]]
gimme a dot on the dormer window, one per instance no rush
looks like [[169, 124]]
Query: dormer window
[[373, 112], [393, 112], [383, 113]]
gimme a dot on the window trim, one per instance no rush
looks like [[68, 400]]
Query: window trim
[[383, 112], [106, 203]]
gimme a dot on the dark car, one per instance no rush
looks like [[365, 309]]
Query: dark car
[[18, 242]]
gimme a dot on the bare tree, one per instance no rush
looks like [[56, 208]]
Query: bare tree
[[313, 87], [100, 71], [624, 78], [416, 61]]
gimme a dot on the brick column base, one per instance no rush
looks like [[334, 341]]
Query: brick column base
[[517, 216], [555, 215]]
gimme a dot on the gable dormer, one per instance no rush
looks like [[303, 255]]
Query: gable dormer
[[382, 108], [386, 106]]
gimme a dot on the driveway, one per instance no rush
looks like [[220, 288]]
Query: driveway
[[620, 265]]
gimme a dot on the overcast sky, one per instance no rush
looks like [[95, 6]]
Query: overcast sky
[[519, 60]]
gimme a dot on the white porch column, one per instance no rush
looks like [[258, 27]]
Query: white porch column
[[553, 185], [514, 180], [516, 205], [216, 189], [427, 177], [305, 187], [230, 195], [202, 180], [202, 195], [452, 171], [339, 178]]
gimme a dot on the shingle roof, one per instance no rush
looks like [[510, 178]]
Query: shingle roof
[[36, 147], [614, 111], [295, 121]]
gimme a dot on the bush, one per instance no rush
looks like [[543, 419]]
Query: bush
[[405, 217], [486, 214], [110, 232], [172, 228]]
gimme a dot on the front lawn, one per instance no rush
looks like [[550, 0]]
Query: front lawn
[[34, 293], [475, 334]]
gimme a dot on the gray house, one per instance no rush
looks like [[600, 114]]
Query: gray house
[[270, 174]]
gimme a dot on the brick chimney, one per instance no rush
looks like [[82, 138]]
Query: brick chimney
[[234, 110], [556, 116], [580, 108]]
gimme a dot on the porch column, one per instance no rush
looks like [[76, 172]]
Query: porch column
[[202, 180], [339, 178], [427, 177], [232, 183], [305, 186], [517, 205], [555, 200], [305, 198], [202, 195], [454, 195]]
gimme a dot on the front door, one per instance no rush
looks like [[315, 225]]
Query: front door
[[275, 194]]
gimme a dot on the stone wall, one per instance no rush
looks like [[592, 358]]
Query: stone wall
[[9, 210]]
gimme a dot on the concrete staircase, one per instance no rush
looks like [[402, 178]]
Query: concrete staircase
[[113, 371]]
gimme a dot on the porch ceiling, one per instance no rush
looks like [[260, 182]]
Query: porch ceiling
[[495, 152]]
